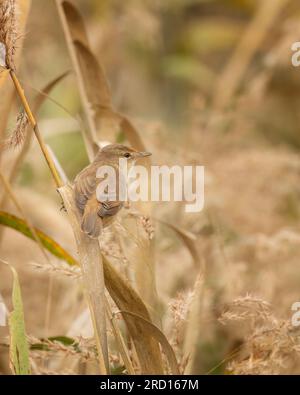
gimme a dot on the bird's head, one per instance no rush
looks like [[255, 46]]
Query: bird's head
[[117, 151]]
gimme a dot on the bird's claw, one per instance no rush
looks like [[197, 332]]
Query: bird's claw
[[63, 208]]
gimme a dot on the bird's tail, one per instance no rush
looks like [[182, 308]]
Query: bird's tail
[[91, 223]]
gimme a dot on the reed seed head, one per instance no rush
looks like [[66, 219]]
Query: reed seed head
[[8, 32], [17, 137]]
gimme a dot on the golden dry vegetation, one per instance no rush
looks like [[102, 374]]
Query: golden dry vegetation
[[207, 82]]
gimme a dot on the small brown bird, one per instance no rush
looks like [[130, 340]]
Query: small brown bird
[[98, 214]]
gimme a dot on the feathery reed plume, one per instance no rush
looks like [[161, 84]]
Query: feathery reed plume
[[244, 308], [59, 268], [84, 348], [17, 137], [179, 309], [270, 343], [8, 31], [145, 221]]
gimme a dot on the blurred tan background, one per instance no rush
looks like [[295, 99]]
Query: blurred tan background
[[205, 82]]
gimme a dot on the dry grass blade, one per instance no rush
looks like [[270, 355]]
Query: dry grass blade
[[42, 95], [193, 329], [127, 299], [160, 337], [119, 340], [91, 264]]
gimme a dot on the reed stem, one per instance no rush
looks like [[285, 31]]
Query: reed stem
[[35, 127]]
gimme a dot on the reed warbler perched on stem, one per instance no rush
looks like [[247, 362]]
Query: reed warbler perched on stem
[[96, 213]]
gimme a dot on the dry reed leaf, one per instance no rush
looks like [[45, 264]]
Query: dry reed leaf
[[96, 85], [160, 337], [75, 22], [99, 95], [20, 225], [93, 84], [188, 239], [127, 299], [91, 265]]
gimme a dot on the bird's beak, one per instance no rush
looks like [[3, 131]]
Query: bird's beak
[[142, 154]]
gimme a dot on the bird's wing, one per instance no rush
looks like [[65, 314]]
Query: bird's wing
[[84, 187], [111, 204], [85, 190], [91, 223]]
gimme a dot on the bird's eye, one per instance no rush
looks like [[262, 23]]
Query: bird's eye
[[127, 155]]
